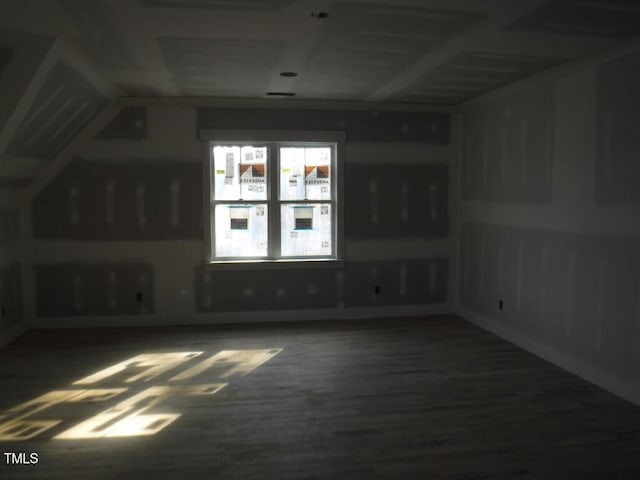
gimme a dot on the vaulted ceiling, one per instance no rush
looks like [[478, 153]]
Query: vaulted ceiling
[[62, 61], [419, 51]]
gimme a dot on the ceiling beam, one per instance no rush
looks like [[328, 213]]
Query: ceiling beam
[[472, 40]]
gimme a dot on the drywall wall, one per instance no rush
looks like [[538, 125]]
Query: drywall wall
[[11, 299], [130, 203], [132, 199], [94, 289], [549, 243]]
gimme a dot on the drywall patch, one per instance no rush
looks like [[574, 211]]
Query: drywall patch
[[76, 289], [65, 104], [141, 205], [174, 192], [110, 190], [246, 290], [402, 282], [11, 306], [397, 201], [132, 200], [385, 126], [508, 152], [618, 121], [129, 124]]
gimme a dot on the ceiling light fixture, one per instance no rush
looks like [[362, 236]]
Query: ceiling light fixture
[[281, 94]]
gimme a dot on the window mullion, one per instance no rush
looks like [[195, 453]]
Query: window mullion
[[274, 203]]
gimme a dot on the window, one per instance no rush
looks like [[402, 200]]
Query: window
[[274, 200]]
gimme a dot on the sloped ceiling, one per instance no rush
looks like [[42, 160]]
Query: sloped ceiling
[[421, 51], [47, 97]]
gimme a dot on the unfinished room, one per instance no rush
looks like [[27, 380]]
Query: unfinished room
[[320, 239]]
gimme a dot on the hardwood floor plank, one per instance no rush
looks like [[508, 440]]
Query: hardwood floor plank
[[432, 398]]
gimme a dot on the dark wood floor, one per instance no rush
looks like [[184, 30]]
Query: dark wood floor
[[406, 398]]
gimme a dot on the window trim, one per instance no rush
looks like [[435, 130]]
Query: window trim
[[270, 138]]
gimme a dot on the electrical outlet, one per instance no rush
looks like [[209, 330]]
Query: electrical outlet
[[377, 289], [4, 312], [500, 305], [139, 297]]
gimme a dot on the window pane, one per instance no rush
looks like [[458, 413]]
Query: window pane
[[305, 173], [240, 172], [241, 230], [306, 229]]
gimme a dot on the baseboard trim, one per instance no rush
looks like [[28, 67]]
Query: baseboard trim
[[586, 370], [221, 318]]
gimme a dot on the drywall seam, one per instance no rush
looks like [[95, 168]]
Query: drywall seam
[[570, 289], [592, 373], [461, 158], [26, 261], [483, 246], [602, 277], [48, 172], [543, 282], [77, 145], [50, 169]]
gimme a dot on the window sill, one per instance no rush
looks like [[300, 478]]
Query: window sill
[[275, 264]]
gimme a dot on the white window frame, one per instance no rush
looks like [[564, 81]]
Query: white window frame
[[274, 140]]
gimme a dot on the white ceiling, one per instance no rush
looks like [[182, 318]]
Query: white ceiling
[[422, 51]]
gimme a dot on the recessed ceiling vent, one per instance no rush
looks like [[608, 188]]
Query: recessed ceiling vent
[[281, 94]]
